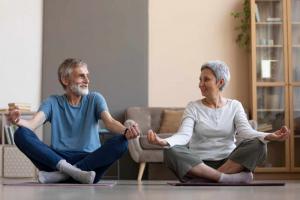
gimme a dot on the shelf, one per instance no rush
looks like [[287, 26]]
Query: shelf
[[269, 46], [22, 112], [268, 23], [270, 110], [295, 23], [267, 1], [295, 83], [270, 84], [297, 136], [296, 46]]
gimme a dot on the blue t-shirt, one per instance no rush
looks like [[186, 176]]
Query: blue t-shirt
[[74, 128]]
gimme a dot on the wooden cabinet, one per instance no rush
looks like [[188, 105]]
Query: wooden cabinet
[[13, 163], [275, 76]]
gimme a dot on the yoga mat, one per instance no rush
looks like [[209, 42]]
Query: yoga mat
[[104, 185], [228, 184]]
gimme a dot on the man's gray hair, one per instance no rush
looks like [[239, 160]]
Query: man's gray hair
[[220, 69], [66, 68]]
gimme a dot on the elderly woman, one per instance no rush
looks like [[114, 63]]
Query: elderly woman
[[209, 127]]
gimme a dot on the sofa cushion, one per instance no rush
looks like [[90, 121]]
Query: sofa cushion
[[171, 121], [146, 145]]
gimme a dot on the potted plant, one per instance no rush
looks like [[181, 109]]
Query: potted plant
[[243, 28]]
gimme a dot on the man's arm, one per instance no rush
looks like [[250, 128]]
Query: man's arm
[[112, 124], [116, 127], [14, 116]]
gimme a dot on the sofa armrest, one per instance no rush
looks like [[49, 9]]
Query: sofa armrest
[[135, 149], [141, 115], [134, 146]]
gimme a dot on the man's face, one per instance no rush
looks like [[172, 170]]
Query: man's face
[[78, 82]]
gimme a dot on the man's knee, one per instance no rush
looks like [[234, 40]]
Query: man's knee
[[122, 145], [19, 135], [23, 136]]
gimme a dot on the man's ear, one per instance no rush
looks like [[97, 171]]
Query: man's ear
[[65, 81]]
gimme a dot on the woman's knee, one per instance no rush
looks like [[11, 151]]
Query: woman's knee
[[262, 149], [171, 152], [259, 145], [172, 155], [256, 145]]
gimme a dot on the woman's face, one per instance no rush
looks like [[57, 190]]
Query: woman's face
[[208, 83]]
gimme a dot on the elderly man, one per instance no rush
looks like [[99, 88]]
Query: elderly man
[[75, 153]]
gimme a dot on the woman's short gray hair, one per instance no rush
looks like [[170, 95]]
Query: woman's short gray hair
[[220, 69], [66, 68]]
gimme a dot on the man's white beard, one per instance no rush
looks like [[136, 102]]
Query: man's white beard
[[78, 90]]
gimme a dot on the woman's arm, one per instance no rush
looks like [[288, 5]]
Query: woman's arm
[[182, 137], [246, 131]]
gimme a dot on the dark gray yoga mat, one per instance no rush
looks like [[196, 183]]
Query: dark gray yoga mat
[[228, 184]]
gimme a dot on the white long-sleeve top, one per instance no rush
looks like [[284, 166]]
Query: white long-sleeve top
[[211, 132]]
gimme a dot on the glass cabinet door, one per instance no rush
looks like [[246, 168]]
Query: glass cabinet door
[[296, 122], [295, 39], [269, 40], [294, 48], [270, 76], [270, 117]]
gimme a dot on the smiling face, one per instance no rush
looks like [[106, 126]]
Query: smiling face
[[78, 81], [208, 84]]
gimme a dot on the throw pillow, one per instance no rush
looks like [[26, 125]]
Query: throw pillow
[[171, 121]]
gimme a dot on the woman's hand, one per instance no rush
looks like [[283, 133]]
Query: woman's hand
[[153, 138], [279, 135]]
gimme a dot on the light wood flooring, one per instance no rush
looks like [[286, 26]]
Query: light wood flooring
[[152, 190]]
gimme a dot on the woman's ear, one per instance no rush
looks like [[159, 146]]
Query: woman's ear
[[221, 83]]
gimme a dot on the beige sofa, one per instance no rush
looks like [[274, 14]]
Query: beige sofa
[[149, 118]]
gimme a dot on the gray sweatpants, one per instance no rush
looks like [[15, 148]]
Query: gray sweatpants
[[249, 154]]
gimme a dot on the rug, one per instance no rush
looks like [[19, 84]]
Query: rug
[[103, 185]]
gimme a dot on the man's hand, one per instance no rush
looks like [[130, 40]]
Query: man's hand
[[279, 135], [153, 138], [13, 115], [133, 131]]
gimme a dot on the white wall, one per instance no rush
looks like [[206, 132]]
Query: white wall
[[20, 51], [183, 34]]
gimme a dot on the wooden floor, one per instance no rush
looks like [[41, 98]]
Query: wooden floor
[[152, 190]]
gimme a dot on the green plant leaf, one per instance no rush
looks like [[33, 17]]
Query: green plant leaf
[[243, 29]]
